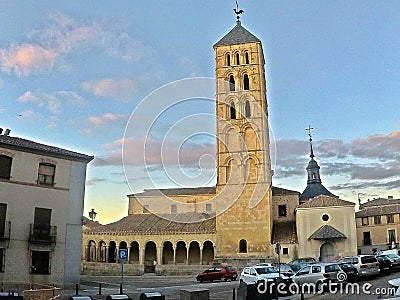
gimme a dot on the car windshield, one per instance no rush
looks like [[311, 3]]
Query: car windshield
[[392, 256], [230, 269], [332, 268], [266, 270], [368, 259]]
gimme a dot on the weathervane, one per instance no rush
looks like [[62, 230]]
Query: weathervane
[[238, 11], [309, 134]]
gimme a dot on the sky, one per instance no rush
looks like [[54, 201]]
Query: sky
[[81, 74]]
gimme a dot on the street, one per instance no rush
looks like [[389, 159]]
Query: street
[[170, 286]]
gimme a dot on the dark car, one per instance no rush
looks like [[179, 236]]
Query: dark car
[[288, 269], [385, 264], [350, 269], [222, 273], [395, 259]]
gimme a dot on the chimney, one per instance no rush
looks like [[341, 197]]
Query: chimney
[[390, 197], [7, 132], [1, 131]]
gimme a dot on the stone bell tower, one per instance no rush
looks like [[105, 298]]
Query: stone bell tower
[[244, 184]]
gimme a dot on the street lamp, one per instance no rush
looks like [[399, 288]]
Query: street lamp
[[92, 214]]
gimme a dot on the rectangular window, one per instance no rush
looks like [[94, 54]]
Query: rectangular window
[[42, 221], [365, 221], [208, 208], [285, 251], [377, 220], [389, 219], [391, 236], [46, 174], [174, 209], [3, 212], [5, 167], [2, 258], [366, 238], [282, 210], [40, 262]]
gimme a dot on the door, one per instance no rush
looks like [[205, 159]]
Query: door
[[327, 253]]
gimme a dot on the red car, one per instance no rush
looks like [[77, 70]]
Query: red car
[[222, 273]]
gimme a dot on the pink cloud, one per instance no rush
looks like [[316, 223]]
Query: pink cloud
[[26, 59], [148, 151], [381, 146], [105, 119], [122, 89]]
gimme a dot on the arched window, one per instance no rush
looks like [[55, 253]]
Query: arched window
[[5, 166], [228, 59], [233, 111], [231, 83], [246, 84], [246, 57], [247, 112], [237, 59], [243, 246]]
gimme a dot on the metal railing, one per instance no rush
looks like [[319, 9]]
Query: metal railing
[[42, 233]]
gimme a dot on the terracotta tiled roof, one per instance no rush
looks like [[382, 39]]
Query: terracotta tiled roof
[[378, 210], [151, 223], [177, 191], [11, 142], [379, 202], [325, 201], [284, 232], [327, 232], [88, 224]]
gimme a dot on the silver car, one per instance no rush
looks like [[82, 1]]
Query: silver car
[[367, 265], [251, 275], [318, 275]]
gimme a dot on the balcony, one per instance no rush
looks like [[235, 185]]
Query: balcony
[[43, 234]]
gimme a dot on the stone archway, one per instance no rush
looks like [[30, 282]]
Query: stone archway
[[91, 251], [326, 252], [134, 253], [208, 253], [194, 253], [168, 253], [150, 257], [112, 252], [181, 252]]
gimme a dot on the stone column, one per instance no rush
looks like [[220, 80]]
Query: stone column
[[174, 249], [141, 256], [201, 255], [187, 255]]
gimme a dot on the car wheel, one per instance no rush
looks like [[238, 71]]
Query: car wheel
[[201, 279], [223, 278]]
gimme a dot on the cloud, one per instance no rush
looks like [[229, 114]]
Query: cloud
[[152, 152], [119, 89], [27, 59], [106, 119], [52, 102], [94, 181], [379, 146]]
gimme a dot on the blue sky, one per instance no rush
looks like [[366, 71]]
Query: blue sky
[[72, 73]]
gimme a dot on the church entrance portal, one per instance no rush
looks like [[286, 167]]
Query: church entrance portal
[[326, 252]]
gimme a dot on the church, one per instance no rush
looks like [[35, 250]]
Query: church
[[240, 219]]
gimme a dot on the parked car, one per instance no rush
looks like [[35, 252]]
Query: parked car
[[222, 273], [395, 260], [317, 274], [251, 275], [254, 274], [367, 265], [385, 264], [289, 269], [350, 269]]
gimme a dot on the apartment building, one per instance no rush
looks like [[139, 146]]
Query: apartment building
[[41, 207]]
